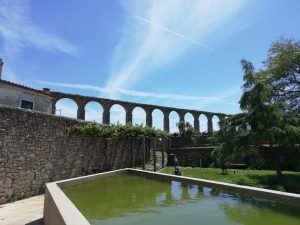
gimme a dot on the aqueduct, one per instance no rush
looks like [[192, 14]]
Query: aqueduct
[[106, 104]]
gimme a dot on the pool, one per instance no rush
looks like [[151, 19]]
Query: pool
[[132, 197]]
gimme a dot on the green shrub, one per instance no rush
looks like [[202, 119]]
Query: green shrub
[[187, 131], [117, 130]]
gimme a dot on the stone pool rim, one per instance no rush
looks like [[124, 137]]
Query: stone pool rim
[[59, 209]]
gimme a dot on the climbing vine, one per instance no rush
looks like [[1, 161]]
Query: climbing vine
[[117, 130]]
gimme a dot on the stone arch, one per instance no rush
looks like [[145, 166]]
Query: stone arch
[[117, 114], [174, 118], [188, 117], [203, 122], [93, 111], [158, 119], [139, 116], [66, 107], [215, 122]]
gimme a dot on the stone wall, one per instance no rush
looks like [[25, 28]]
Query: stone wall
[[182, 142], [36, 148], [193, 156], [256, 159]]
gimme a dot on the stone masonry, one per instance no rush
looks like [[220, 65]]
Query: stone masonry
[[106, 104], [36, 148]]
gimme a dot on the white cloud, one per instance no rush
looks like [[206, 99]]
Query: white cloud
[[158, 32], [138, 116], [117, 114], [219, 98], [203, 123], [196, 99], [173, 120], [182, 36], [93, 112], [18, 31], [66, 107], [158, 119], [9, 73]]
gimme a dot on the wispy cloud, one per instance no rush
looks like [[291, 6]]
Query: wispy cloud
[[157, 33], [182, 36], [18, 31], [9, 73], [66, 108], [104, 90]]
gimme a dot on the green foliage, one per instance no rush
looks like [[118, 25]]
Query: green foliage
[[255, 178], [265, 119], [117, 130], [269, 118], [282, 73], [187, 131]]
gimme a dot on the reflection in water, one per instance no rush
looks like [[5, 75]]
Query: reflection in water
[[238, 208], [128, 199]]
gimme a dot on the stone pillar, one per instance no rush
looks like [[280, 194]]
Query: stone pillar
[[81, 112], [149, 118], [181, 116], [196, 124], [196, 121], [1, 65], [106, 115], [128, 115], [166, 121], [209, 124], [53, 111]]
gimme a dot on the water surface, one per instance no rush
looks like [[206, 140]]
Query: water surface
[[135, 200]]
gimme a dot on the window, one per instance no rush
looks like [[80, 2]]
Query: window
[[26, 104]]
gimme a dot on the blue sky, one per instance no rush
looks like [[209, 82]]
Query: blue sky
[[168, 52]]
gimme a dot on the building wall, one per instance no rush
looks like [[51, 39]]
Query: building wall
[[36, 148], [10, 95]]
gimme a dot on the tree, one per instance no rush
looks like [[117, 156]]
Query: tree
[[268, 118], [187, 131], [282, 73]]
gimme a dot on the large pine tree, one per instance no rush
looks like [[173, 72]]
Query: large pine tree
[[269, 117]]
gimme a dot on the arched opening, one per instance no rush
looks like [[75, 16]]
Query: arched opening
[[117, 114], [215, 122], [188, 117], [203, 123], [66, 107], [93, 112], [138, 116], [173, 119], [158, 119]]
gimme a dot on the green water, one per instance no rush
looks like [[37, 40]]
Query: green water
[[135, 200]]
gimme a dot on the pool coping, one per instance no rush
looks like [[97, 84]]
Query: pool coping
[[59, 210]]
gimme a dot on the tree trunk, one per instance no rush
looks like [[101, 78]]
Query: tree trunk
[[279, 173]]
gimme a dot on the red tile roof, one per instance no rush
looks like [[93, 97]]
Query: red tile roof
[[26, 88]]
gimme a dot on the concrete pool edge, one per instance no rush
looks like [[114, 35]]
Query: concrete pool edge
[[281, 196], [59, 210]]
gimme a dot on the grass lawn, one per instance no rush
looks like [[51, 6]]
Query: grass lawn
[[256, 178]]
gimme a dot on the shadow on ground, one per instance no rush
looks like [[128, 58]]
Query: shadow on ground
[[271, 181], [36, 222]]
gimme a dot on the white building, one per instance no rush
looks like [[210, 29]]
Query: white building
[[24, 97]]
